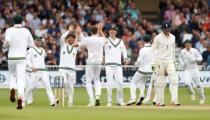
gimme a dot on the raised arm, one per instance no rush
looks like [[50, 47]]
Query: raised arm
[[63, 38]]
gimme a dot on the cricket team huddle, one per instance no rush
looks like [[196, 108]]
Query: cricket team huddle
[[156, 61]]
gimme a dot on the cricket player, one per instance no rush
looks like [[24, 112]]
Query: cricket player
[[114, 49], [67, 62], [189, 59], [17, 40], [35, 61], [94, 45], [164, 44], [144, 61]]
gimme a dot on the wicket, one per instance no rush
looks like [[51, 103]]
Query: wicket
[[59, 90]]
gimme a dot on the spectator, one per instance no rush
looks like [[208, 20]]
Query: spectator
[[206, 55]]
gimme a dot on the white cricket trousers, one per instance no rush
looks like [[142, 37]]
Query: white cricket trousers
[[163, 69], [193, 77], [92, 73], [69, 81], [139, 79], [35, 78], [29, 96], [114, 74], [17, 70]]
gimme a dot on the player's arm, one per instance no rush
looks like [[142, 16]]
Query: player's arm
[[6, 41], [124, 53], [80, 40], [63, 38], [181, 60], [155, 43], [198, 58], [174, 51], [79, 34], [100, 30], [30, 40], [140, 58]]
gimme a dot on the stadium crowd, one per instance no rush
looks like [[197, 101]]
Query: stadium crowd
[[49, 19]]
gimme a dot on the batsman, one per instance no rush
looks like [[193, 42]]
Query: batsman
[[164, 44]]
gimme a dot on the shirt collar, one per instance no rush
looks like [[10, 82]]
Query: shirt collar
[[147, 45], [18, 25]]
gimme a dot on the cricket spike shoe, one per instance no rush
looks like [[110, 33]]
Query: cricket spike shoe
[[12, 95], [160, 105], [131, 102], [19, 104], [140, 101], [97, 102], [175, 104]]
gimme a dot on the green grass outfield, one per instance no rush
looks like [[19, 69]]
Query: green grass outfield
[[40, 110]]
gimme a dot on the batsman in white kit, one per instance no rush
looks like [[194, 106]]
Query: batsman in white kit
[[35, 61], [17, 40], [67, 62], [94, 45], [164, 44], [114, 49], [144, 73], [189, 59]]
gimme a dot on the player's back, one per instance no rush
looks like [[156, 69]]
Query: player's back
[[18, 40], [94, 45], [146, 58]]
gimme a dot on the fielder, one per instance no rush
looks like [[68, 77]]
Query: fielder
[[17, 40], [95, 45], [35, 61], [114, 49], [189, 59], [144, 61], [164, 44], [67, 62]]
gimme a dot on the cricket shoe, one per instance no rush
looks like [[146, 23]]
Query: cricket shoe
[[175, 104], [154, 103], [19, 104], [160, 105], [202, 101], [70, 105], [97, 102], [140, 101], [109, 104], [146, 102], [12, 95], [91, 104], [131, 102], [57, 101], [120, 104], [193, 97]]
